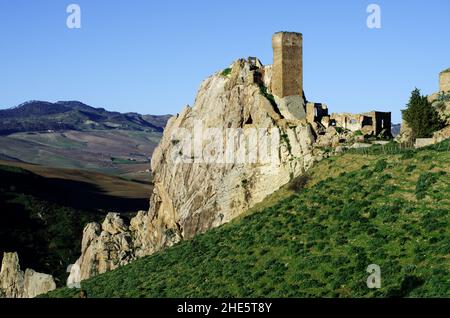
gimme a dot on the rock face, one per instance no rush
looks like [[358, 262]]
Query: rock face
[[16, 284], [406, 133], [103, 248], [195, 188], [444, 81]]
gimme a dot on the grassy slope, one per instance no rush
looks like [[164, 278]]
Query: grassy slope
[[390, 210]]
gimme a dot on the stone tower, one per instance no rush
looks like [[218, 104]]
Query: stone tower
[[444, 81], [287, 77]]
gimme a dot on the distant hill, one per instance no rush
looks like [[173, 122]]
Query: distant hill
[[70, 134], [39, 116]]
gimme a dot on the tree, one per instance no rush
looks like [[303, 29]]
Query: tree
[[420, 116]]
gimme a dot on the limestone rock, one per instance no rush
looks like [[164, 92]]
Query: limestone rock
[[441, 103], [37, 283], [16, 284], [103, 248], [329, 139], [11, 277], [195, 189], [113, 224], [406, 134], [191, 198]]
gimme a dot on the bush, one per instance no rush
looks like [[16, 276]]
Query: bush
[[226, 72], [299, 183]]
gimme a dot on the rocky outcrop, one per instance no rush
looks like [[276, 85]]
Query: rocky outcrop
[[104, 247], [195, 188], [190, 198], [406, 134], [441, 103], [14, 283]]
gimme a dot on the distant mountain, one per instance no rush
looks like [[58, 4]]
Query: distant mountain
[[38, 116]]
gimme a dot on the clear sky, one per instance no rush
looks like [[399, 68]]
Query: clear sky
[[150, 56]]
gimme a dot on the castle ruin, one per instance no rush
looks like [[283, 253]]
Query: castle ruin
[[287, 88], [287, 77], [371, 123], [287, 74]]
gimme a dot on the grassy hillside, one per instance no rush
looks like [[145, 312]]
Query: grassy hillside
[[43, 211], [316, 240]]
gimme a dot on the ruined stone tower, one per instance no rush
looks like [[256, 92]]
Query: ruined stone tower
[[287, 77], [444, 81]]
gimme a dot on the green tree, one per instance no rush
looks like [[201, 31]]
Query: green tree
[[421, 116]]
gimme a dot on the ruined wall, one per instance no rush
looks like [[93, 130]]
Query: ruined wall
[[372, 123], [316, 112], [444, 81], [287, 75], [382, 122], [348, 121]]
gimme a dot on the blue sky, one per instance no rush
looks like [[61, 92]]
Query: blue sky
[[150, 56]]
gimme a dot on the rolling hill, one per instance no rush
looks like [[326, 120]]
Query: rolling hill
[[74, 135], [316, 237]]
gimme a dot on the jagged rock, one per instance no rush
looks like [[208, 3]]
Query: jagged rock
[[190, 197], [441, 103], [15, 284], [329, 139], [103, 248], [442, 134], [37, 283], [11, 277], [406, 134], [113, 224]]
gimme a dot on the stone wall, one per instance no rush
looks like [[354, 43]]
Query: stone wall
[[317, 112], [444, 81], [287, 64], [372, 123]]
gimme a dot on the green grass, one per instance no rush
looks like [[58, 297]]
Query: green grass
[[315, 240], [226, 72]]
